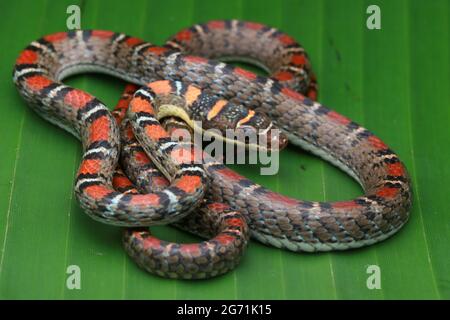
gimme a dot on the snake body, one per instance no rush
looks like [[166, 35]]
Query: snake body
[[287, 98]]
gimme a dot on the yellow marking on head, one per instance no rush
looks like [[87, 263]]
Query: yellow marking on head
[[216, 109], [192, 94], [250, 115]]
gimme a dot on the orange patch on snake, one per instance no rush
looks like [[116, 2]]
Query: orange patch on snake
[[396, 169], [77, 98], [376, 142], [217, 107], [293, 94], [387, 192], [150, 242], [195, 59], [285, 39], [99, 129], [344, 205], [283, 76], [37, 83], [298, 59], [139, 104], [141, 157], [156, 132], [190, 249], [102, 34], [245, 73], [161, 87], [150, 199], [90, 166], [184, 35], [254, 25], [27, 57], [216, 24], [192, 94], [97, 191], [121, 181], [272, 196], [189, 183], [133, 41], [235, 222], [217, 206], [338, 118], [157, 50], [56, 37], [224, 239]]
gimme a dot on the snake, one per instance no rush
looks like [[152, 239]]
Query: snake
[[190, 59]]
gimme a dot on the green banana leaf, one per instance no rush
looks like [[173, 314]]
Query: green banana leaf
[[394, 80]]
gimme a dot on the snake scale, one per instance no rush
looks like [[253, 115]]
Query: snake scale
[[184, 72]]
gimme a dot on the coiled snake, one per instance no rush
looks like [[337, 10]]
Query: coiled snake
[[216, 92]]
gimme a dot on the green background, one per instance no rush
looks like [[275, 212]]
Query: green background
[[395, 81]]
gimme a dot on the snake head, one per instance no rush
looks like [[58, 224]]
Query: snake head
[[259, 125]]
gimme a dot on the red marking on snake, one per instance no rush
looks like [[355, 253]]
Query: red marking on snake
[[312, 94], [283, 76], [189, 183], [247, 74], [216, 24], [99, 129], [285, 39], [77, 98], [27, 57], [90, 166], [151, 242], [37, 83], [121, 181], [298, 59], [224, 239], [387, 192], [160, 181], [141, 157], [161, 87], [377, 143], [184, 35], [293, 94], [104, 34], [345, 205], [217, 206], [151, 199], [280, 198], [155, 132], [235, 222], [396, 169], [254, 25], [139, 104], [338, 118], [157, 50], [191, 249], [129, 132], [56, 37], [97, 191], [122, 104], [133, 41], [195, 59]]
